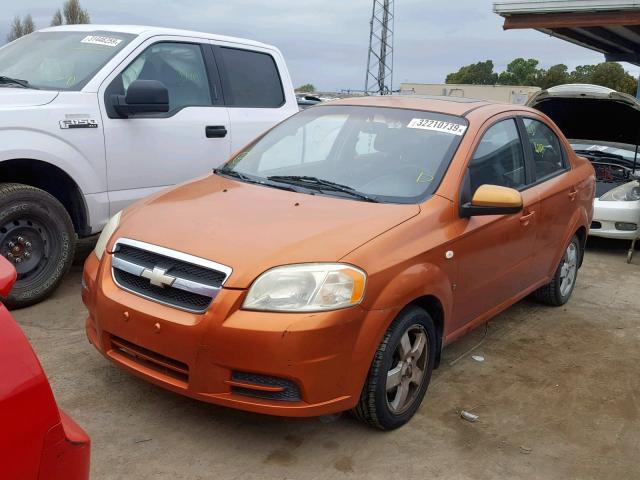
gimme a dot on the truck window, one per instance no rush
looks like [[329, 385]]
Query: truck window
[[179, 66], [253, 79]]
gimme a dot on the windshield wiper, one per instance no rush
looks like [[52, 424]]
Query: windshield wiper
[[246, 178], [320, 184], [15, 81]]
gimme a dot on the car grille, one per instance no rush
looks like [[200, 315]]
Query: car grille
[[289, 390], [166, 276], [164, 365]]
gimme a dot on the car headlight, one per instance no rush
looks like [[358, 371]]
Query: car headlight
[[629, 192], [107, 231], [307, 288]]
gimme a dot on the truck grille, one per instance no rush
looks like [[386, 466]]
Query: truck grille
[[167, 276]]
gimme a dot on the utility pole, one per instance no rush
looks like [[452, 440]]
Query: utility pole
[[379, 80]]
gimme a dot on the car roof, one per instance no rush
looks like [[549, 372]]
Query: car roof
[[459, 106], [149, 31]]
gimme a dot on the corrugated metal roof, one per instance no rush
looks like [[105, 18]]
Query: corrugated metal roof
[[515, 7]]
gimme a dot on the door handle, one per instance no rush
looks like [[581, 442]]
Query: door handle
[[525, 219], [215, 131], [573, 194]]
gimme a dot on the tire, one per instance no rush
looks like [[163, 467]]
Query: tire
[[382, 408], [556, 293], [37, 237]]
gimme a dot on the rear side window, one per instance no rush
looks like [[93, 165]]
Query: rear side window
[[547, 152], [253, 80], [499, 158]]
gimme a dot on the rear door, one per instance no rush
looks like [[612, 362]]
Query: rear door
[[557, 191], [148, 152], [256, 88], [494, 252]]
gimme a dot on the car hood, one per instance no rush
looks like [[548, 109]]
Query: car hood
[[591, 112], [252, 228], [25, 97]]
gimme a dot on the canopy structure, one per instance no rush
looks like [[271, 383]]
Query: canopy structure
[[611, 27]]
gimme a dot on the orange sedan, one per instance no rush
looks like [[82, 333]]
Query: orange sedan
[[327, 264]]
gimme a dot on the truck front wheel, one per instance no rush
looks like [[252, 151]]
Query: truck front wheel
[[37, 237]]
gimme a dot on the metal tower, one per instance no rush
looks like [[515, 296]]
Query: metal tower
[[379, 79]]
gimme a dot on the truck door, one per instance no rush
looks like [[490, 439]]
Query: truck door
[[147, 152], [254, 82]]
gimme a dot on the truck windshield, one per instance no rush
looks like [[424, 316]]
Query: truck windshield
[[59, 60], [363, 153]]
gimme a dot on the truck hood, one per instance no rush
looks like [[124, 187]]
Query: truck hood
[[252, 228], [25, 97], [591, 112]]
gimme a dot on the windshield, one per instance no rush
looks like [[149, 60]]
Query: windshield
[[380, 154], [60, 60]]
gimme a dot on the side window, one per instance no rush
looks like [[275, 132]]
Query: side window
[[179, 66], [499, 159], [253, 79], [545, 147]]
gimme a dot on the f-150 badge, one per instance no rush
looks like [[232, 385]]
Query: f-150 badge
[[78, 123]]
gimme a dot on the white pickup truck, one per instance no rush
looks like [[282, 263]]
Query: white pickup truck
[[94, 117]]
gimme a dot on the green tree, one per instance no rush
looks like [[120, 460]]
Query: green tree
[[612, 75], [306, 88], [480, 73], [582, 74], [556, 75], [521, 72]]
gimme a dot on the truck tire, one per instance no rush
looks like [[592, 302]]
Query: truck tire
[[37, 237], [400, 372]]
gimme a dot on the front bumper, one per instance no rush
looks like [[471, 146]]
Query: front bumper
[[607, 214], [213, 356]]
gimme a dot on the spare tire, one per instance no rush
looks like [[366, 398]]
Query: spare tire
[[38, 238]]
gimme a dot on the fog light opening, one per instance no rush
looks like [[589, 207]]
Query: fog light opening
[[626, 226]]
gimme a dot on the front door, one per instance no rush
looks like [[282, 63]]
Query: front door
[[494, 252], [148, 152]]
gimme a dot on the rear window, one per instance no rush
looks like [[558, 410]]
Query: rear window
[[253, 79]]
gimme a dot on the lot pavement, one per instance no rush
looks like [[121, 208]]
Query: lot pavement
[[558, 397]]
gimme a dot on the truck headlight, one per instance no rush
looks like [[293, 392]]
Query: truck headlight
[[107, 231], [307, 288], [629, 192]]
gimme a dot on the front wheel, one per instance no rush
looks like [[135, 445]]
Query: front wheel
[[557, 292], [400, 372], [37, 237]]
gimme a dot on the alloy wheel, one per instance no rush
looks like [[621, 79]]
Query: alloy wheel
[[407, 371], [568, 269]]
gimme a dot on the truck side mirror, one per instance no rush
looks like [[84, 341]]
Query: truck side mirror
[[143, 96], [8, 276]]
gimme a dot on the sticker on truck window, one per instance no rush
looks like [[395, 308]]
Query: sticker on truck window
[[102, 40], [437, 126]]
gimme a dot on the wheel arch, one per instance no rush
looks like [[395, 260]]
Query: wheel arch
[[53, 180], [433, 306], [582, 233]]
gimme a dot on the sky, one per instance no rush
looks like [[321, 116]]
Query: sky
[[325, 42]]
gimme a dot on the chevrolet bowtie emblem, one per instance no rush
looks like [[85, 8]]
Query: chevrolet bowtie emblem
[[158, 277]]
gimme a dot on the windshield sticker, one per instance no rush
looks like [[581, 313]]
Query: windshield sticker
[[438, 126], [101, 40]]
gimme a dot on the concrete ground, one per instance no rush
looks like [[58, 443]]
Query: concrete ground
[[558, 397]]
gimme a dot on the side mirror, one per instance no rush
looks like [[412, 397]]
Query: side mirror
[[493, 200], [143, 96], [8, 276]]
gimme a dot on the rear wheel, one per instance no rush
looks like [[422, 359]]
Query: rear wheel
[[37, 237], [559, 290], [400, 372]]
